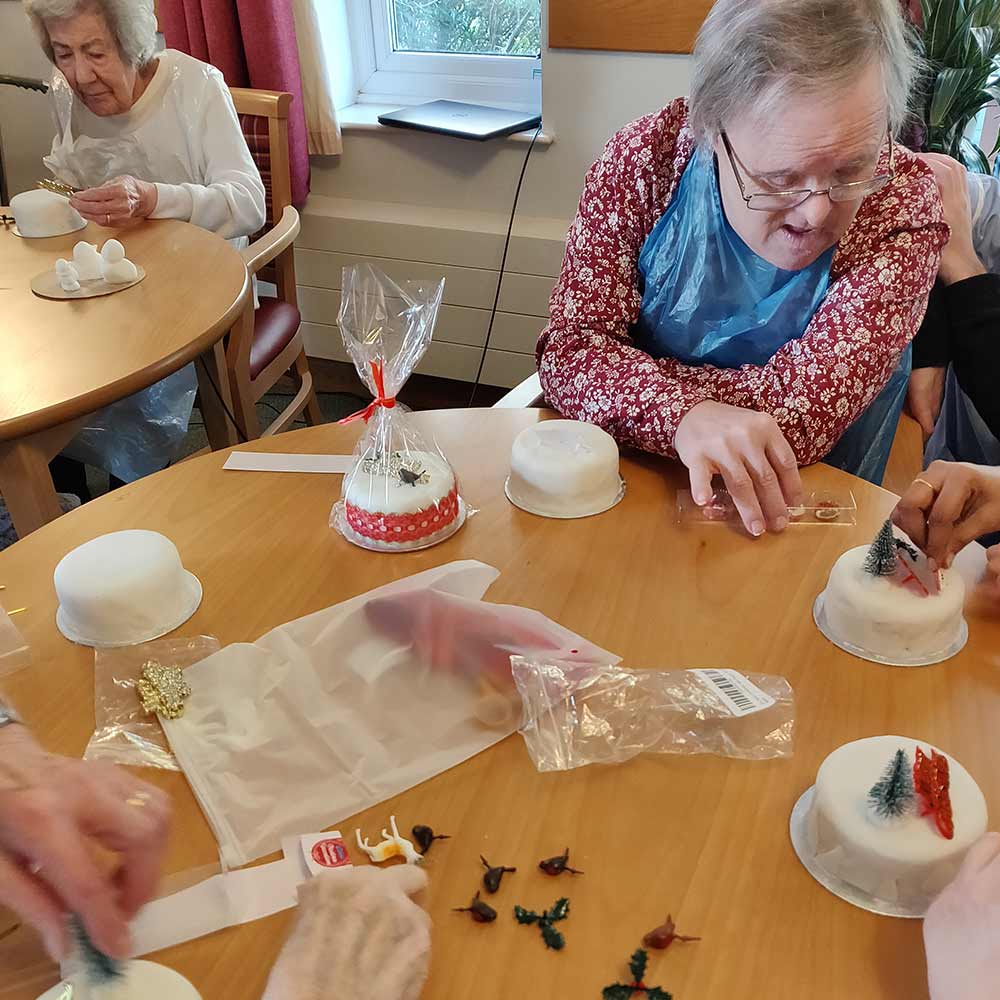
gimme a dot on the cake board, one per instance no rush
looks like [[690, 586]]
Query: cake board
[[819, 617], [46, 286], [143, 981], [563, 517], [844, 890]]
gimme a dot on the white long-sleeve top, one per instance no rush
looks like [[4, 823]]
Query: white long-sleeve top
[[182, 134]]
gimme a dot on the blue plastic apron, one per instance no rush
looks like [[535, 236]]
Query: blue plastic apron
[[707, 299]]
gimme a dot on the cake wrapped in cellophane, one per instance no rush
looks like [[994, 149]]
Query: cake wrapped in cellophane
[[401, 492]]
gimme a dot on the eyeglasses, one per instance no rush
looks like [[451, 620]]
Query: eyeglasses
[[773, 201]]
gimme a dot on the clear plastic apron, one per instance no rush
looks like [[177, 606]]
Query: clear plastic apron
[[707, 299]]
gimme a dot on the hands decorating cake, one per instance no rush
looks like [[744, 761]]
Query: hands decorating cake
[[53, 810], [950, 505]]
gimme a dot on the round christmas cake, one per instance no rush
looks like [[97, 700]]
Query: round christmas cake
[[894, 818], [409, 500], [885, 601], [564, 468], [44, 213]]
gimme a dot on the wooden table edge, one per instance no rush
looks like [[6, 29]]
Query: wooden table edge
[[61, 413]]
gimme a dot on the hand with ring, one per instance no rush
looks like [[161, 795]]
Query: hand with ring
[[55, 813], [121, 202], [950, 505]]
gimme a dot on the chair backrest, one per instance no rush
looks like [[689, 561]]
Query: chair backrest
[[263, 118]]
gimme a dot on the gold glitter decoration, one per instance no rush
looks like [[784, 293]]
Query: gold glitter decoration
[[163, 690]]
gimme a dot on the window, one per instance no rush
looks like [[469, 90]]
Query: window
[[483, 51]]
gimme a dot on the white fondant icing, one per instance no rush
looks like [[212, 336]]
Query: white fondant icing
[[140, 981], [886, 619], [564, 467], [69, 278], [119, 272], [906, 860], [388, 494], [44, 213], [123, 587], [87, 261], [112, 251]]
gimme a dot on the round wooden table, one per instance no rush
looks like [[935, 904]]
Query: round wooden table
[[703, 838], [63, 360]]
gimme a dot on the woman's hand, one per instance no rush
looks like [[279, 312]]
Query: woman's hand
[[751, 454], [959, 259], [950, 505], [53, 812], [962, 929], [121, 202], [924, 396]]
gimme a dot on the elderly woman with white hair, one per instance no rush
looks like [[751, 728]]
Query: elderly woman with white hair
[[748, 267], [143, 135]]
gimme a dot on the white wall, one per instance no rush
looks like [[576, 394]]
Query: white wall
[[25, 119]]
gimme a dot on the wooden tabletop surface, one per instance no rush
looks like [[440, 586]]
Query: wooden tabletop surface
[[64, 359], [703, 838]]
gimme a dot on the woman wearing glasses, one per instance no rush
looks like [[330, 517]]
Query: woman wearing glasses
[[748, 267]]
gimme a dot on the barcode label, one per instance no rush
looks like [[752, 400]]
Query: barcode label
[[740, 696]]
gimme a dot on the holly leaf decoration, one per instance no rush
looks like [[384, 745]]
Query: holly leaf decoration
[[655, 993], [552, 938], [523, 916], [617, 992], [559, 910], [637, 965]]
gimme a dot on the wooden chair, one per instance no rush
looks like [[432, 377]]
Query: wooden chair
[[267, 343]]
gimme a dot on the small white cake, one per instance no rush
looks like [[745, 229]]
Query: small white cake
[[123, 588], [44, 213], [87, 261], [564, 468], [905, 859], [139, 981], [877, 615], [407, 501]]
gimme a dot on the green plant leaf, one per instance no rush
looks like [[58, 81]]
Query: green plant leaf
[[947, 89], [523, 916], [552, 938], [939, 27], [617, 992], [637, 965], [657, 994], [975, 159]]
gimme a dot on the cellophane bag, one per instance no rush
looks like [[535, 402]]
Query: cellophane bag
[[15, 653], [123, 732], [401, 493], [579, 714]]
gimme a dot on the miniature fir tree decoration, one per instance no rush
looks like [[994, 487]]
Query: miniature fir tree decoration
[[559, 910], [98, 968], [892, 795], [881, 558], [624, 991]]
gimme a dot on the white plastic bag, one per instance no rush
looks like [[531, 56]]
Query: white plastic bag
[[401, 493], [335, 712], [578, 714]]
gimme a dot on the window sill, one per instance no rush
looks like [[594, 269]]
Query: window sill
[[364, 118]]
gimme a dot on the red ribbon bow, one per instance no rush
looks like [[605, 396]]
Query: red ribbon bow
[[381, 399]]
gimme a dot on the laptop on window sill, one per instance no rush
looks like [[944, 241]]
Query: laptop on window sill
[[464, 121]]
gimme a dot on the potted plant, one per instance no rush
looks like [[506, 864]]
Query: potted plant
[[961, 46]]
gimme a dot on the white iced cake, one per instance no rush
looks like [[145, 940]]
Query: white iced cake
[[44, 213], [407, 500], [122, 588], [564, 468], [877, 615], [904, 858]]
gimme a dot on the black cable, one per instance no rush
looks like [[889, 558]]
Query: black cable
[[503, 266], [240, 433]]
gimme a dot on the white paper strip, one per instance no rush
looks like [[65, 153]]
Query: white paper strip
[[221, 901], [263, 461]]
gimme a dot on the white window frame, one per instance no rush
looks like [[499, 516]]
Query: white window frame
[[383, 76]]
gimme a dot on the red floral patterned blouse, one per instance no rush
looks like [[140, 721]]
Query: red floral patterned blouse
[[814, 387]]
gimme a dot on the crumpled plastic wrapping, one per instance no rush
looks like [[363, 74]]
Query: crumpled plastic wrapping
[[579, 714], [15, 652], [123, 732], [401, 493], [330, 714]]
